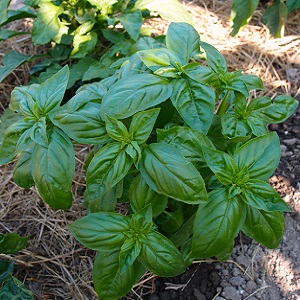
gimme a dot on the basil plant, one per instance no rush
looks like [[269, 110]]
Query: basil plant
[[175, 137]]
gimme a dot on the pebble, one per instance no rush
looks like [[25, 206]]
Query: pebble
[[283, 148], [236, 281], [251, 286], [290, 142], [231, 293], [236, 272]]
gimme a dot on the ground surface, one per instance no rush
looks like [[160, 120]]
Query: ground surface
[[54, 266]]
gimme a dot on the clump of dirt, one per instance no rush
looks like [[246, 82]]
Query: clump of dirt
[[55, 266]]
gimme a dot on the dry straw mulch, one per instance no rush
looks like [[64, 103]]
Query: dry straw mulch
[[53, 264]]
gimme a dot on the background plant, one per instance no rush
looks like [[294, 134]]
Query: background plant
[[274, 17], [88, 35], [175, 137]]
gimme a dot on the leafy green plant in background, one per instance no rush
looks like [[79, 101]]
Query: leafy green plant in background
[[176, 138], [93, 34], [274, 17], [10, 286]]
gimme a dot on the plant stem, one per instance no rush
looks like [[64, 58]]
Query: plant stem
[[224, 104]]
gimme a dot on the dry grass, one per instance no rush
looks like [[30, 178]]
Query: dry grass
[[54, 265]]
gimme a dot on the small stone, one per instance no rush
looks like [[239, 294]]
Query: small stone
[[289, 153], [290, 142], [236, 272], [283, 148], [236, 281], [199, 295], [225, 272], [244, 260], [251, 286], [231, 293]]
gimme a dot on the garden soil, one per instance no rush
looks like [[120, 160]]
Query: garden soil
[[55, 266]]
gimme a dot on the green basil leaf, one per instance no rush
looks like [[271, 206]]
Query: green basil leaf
[[140, 195], [50, 93], [216, 224], [53, 169], [6, 269], [102, 231], [23, 169], [253, 82], [141, 221], [80, 119], [188, 141], [10, 61], [277, 111], [15, 289], [275, 17], [12, 243], [183, 39], [234, 126], [241, 13], [215, 59], [8, 148], [106, 202], [142, 124], [168, 72], [221, 163], [8, 118], [265, 227], [167, 172], [261, 195], [200, 73], [4, 11], [117, 130], [47, 24], [38, 132], [171, 10], [29, 107], [145, 43], [84, 44], [170, 222], [109, 165], [260, 155], [13, 15], [109, 283], [160, 256], [195, 103], [292, 5], [258, 127], [130, 250], [133, 94], [132, 23]]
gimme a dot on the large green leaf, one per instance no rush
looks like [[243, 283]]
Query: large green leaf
[[216, 224], [275, 17], [8, 118], [241, 13], [53, 169], [260, 155], [84, 44], [6, 34], [167, 172], [10, 61], [261, 195], [109, 283], [14, 289], [133, 94], [11, 243], [266, 228], [195, 102], [50, 93], [9, 15], [292, 5], [183, 39], [170, 10], [102, 231], [160, 255], [3, 12], [140, 195], [47, 24], [109, 165]]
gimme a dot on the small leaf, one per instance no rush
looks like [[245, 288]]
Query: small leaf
[[253, 82], [12, 243], [15, 289], [140, 195], [108, 281], [109, 165], [183, 39], [6, 34], [84, 44], [265, 227], [160, 255], [117, 130], [142, 124], [217, 223], [6, 269], [132, 23], [53, 169], [292, 5], [102, 231], [133, 94], [141, 221], [167, 172], [130, 250], [261, 195]]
